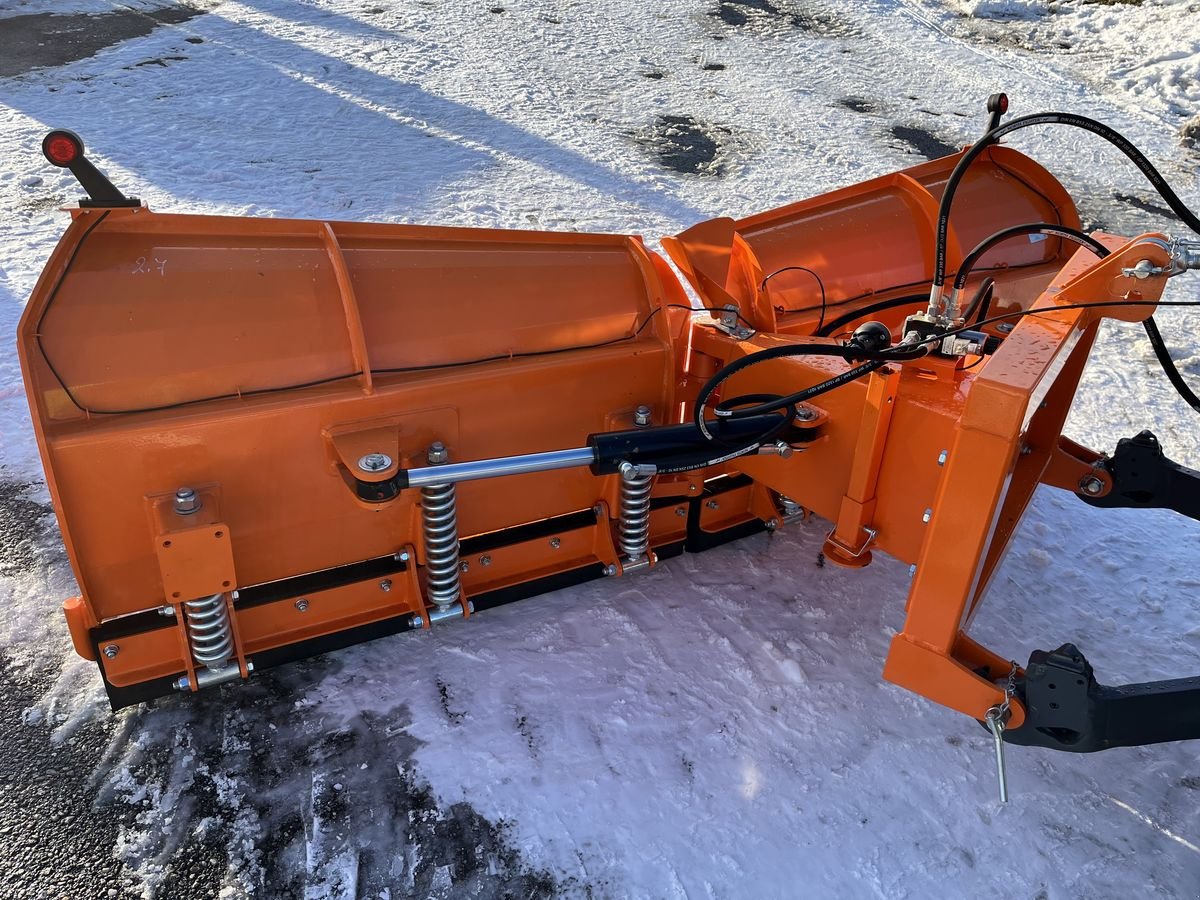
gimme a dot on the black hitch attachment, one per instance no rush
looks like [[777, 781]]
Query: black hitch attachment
[[1067, 709], [1144, 478]]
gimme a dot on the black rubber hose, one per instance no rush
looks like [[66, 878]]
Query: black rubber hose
[[1049, 118], [770, 403], [735, 407], [688, 462], [856, 314], [1168, 364], [981, 302], [1061, 231], [1161, 353]]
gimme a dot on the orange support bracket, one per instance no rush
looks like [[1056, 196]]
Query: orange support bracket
[[1007, 442], [849, 542]]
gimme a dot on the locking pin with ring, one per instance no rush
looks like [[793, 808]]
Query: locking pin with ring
[[995, 719]]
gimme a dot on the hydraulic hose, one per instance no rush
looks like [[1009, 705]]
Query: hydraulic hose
[[1161, 353], [765, 403], [833, 325], [981, 302], [1048, 118], [1168, 365], [1061, 231]]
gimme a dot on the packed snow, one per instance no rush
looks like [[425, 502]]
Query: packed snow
[[716, 727]]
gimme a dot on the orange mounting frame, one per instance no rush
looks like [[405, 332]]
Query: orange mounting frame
[[257, 361]]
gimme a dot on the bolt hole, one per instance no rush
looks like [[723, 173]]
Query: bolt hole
[[1079, 681], [219, 534], [225, 584], [175, 595], [166, 543], [1054, 706], [1051, 686]]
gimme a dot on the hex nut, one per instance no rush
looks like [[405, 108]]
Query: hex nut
[[374, 462]]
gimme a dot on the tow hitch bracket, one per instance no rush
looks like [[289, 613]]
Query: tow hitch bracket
[[1067, 709]]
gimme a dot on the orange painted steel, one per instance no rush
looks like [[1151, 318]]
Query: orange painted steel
[[257, 361]]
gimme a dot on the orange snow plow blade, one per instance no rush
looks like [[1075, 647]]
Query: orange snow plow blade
[[272, 438]]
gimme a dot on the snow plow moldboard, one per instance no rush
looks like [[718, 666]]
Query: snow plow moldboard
[[267, 438]]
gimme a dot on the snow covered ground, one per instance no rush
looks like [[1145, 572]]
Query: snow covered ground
[[716, 727]]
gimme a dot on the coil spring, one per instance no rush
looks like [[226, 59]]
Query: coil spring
[[439, 520], [209, 629], [634, 533]]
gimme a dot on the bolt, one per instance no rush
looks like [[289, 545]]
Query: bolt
[[610, 570], [111, 650], [598, 509], [772, 524], [302, 605], [385, 585], [555, 543], [1143, 270], [1091, 485], [374, 462], [927, 515], [402, 556], [681, 511], [912, 570], [805, 414], [641, 416], [485, 561], [1005, 327], [438, 453], [167, 611], [691, 489], [186, 501], [464, 566], [942, 457], [713, 504]]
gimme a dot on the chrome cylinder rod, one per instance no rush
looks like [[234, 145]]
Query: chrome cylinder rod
[[452, 473]]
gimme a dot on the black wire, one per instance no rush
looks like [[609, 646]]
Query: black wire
[[335, 378], [973, 365], [924, 284], [50, 300], [820, 284]]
